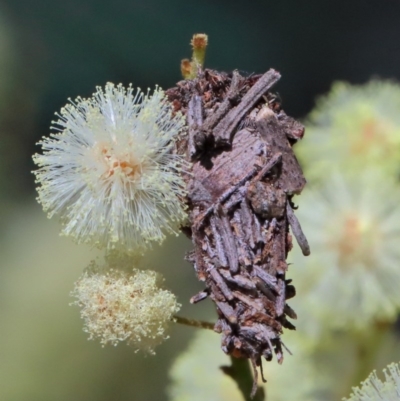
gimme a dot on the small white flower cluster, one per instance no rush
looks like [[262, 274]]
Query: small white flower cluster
[[374, 389], [350, 210], [348, 288], [122, 303], [111, 172]]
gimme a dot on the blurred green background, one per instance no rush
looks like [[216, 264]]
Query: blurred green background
[[52, 50]]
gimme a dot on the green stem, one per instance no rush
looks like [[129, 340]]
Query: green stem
[[367, 351], [240, 372], [193, 323]]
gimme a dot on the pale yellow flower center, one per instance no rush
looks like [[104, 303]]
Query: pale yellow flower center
[[124, 164], [355, 243], [372, 137]]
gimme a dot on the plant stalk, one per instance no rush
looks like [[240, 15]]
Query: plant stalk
[[193, 323], [240, 372]]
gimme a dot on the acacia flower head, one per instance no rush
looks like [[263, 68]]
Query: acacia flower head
[[353, 126], [121, 303], [352, 277], [110, 171], [373, 389]]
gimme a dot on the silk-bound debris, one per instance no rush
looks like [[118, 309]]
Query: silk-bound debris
[[244, 175]]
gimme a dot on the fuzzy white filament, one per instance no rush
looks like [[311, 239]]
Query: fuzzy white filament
[[374, 389], [110, 171]]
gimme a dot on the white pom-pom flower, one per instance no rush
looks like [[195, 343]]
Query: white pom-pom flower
[[374, 389], [110, 172], [352, 277], [353, 126], [121, 303]]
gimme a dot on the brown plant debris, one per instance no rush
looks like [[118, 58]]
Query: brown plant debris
[[240, 200]]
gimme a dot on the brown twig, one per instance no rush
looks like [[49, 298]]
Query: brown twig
[[225, 106], [224, 130]]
